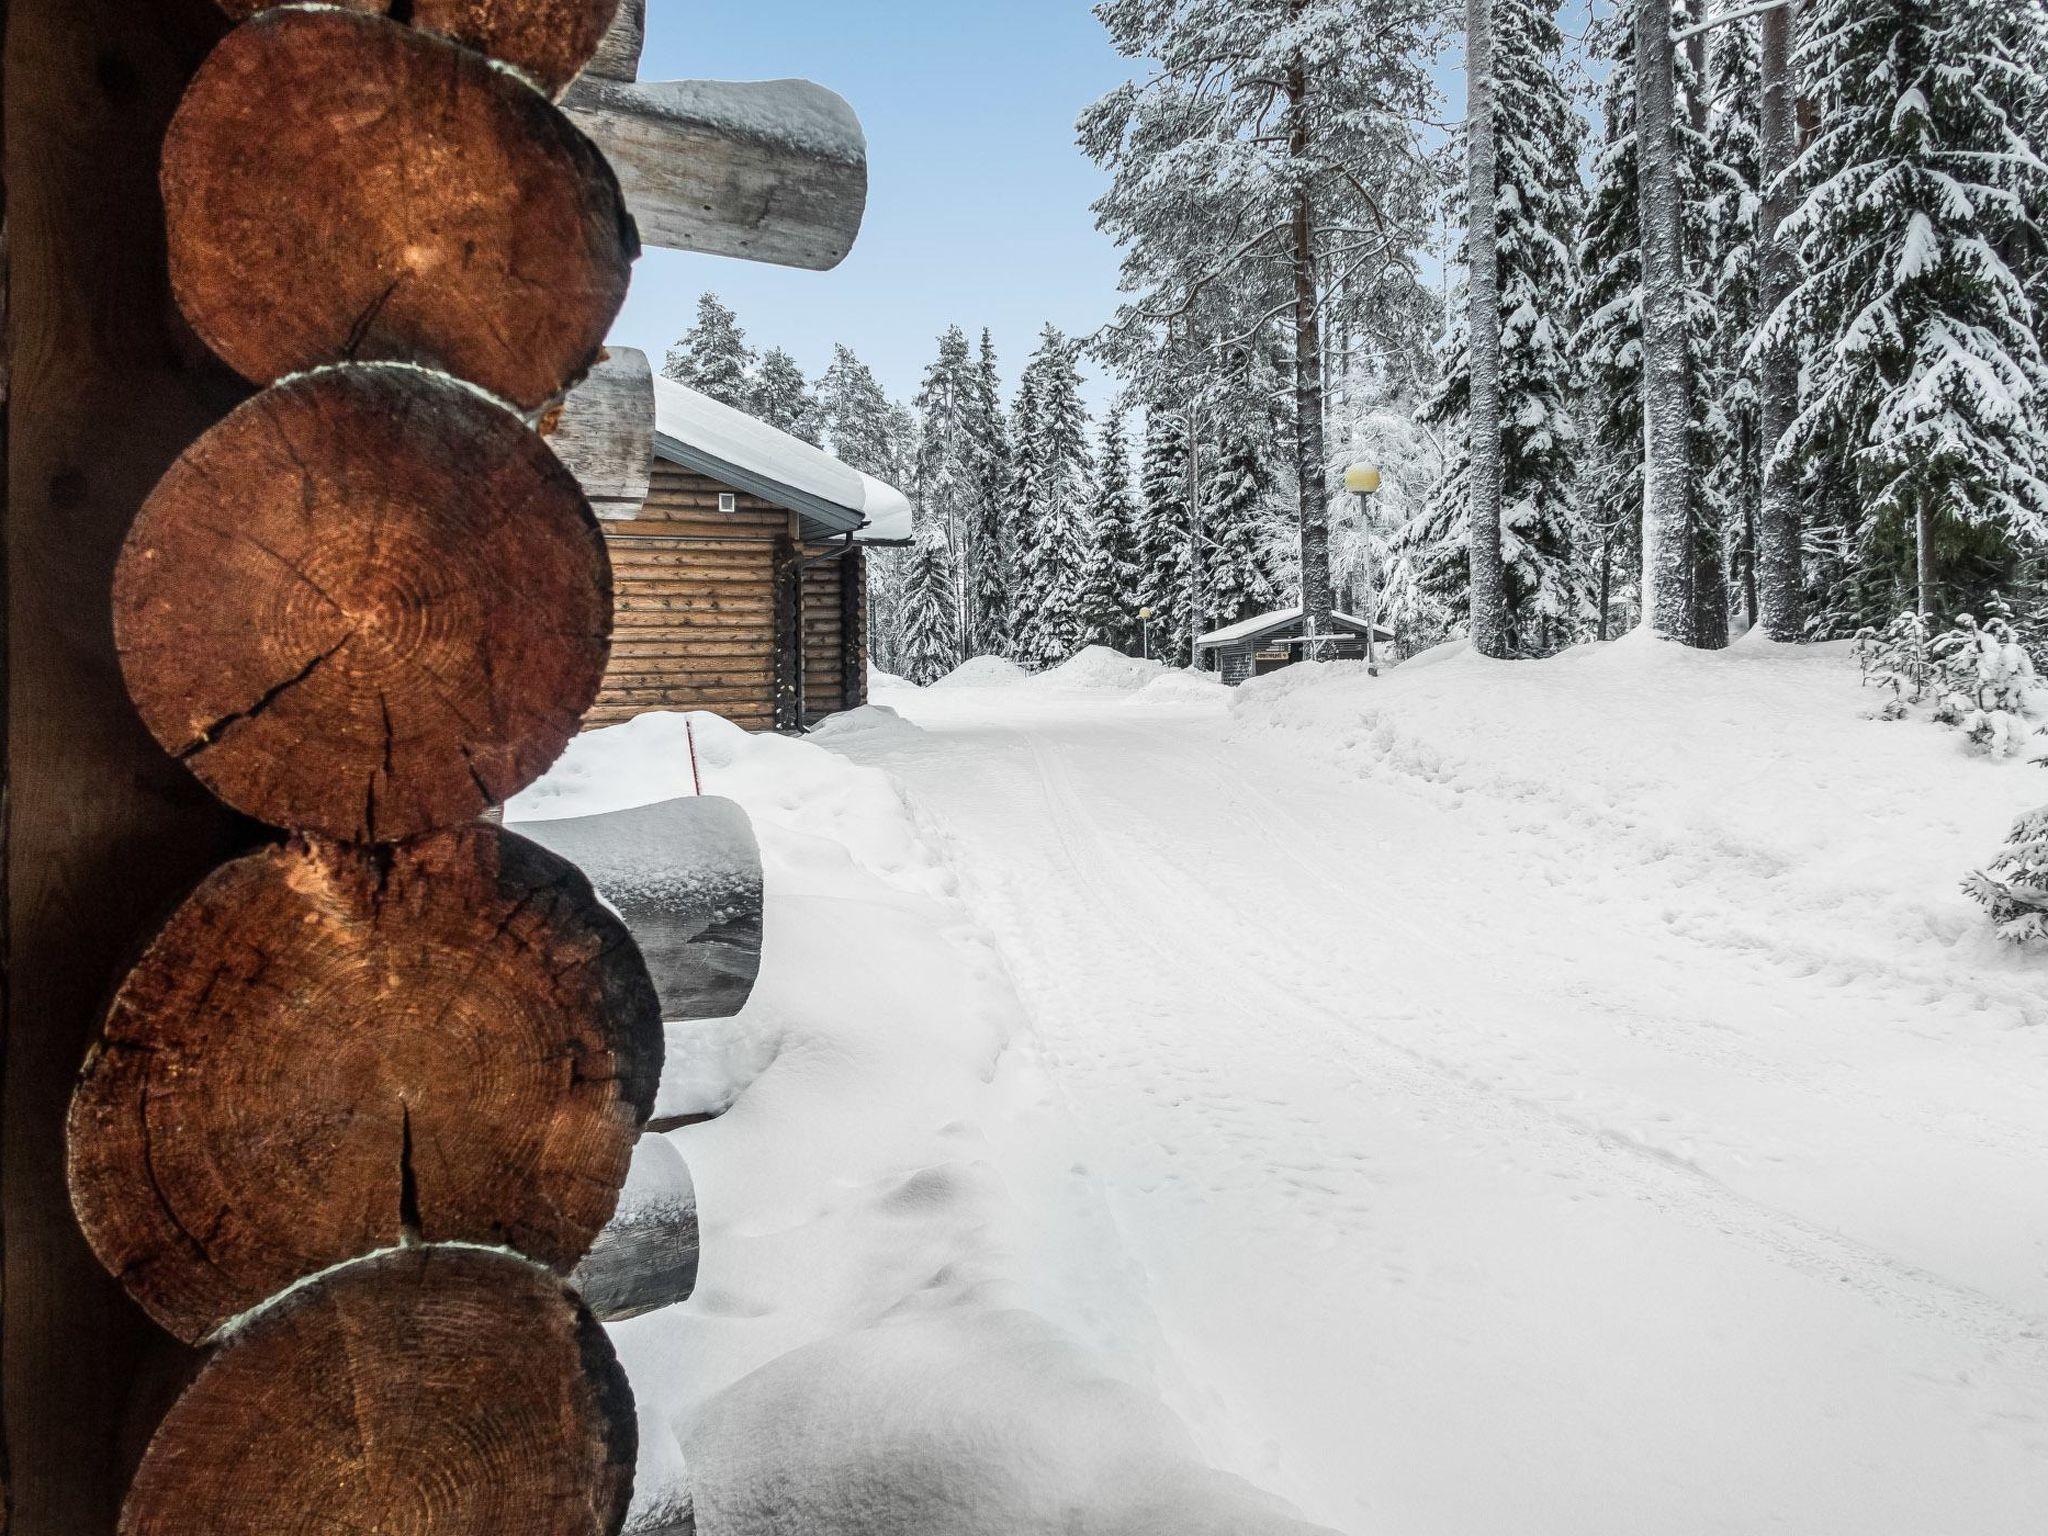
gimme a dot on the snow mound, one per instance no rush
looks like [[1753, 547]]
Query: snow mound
[[1181, 688], [1097, 666], [878, 679], [984, 672]]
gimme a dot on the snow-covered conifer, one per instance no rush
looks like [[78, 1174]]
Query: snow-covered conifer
[[1925, 412], [865, 430], [1164, 534], [1986, 683], [1899, 657], [1110, 575], [2014, 886], [1236, 580], [780, 395], [945, 470], [928, 609], [987, 580], [1538, 209], [1058, 503], [713, 357]]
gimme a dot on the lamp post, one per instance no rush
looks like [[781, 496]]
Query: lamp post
[[1364, 482], [1145, 631]]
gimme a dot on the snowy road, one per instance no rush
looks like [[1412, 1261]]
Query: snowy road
[[1448, 1177]]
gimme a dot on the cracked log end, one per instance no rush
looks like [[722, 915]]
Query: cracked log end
[[368, 605], [340, 188], [548, 40], [436, 1392], [330, 1050]]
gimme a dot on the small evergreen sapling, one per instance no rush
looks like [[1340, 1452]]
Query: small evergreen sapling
[[1899, 657], [1986, 683], [2014, 888]]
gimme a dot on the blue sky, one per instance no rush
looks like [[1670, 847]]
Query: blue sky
[[979, 203], [978, 210]]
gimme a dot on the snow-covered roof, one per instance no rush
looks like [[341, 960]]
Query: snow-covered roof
[[700, 433], [1281, 618]]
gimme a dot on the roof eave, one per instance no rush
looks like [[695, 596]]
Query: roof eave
[[835, 518]]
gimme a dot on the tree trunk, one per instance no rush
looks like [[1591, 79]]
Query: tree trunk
[[548, 40], [1483, 322], [1668, 533], [331, 1051], [1780, 587], [370, 604], [1310, 468], [445, 1391], [1923, 556], [441, 213]]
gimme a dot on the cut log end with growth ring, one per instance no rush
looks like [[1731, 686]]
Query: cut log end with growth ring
[[547, 40], [368, 605], [341, 188], [332, 1050], [433, 1392]]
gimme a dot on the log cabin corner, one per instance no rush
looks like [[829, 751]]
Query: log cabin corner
[[741, 580]]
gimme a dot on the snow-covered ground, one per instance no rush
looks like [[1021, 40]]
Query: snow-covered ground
[[1569, 1097]]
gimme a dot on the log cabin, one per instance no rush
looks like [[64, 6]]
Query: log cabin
[[741, 581]]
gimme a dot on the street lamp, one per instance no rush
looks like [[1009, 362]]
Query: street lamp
[[1364, 482], [1145, 631]]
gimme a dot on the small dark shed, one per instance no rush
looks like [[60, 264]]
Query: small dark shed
[[1253, 647]]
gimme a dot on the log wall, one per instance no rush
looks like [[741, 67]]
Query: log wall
[[702, 611]]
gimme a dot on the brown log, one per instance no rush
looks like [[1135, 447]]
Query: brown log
[[368, 605], [340, 188], [604, 433], [549, 41], [772, 171], [430, 1392], [329, 1051]]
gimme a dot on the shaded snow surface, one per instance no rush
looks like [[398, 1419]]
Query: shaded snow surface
[[1561, 1098], [861, 1357], [984, 672]]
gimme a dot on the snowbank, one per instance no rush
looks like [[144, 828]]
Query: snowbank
[[855, 1361], [1182, 688], [1782, 816], [984, 672], [1097, 666]]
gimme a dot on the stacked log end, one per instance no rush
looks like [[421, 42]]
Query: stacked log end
[[369, 604], [339, 188], [373, 1091], [435, 1392]]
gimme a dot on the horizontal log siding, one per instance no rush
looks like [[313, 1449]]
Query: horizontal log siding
[[694, 622], [695, 611]]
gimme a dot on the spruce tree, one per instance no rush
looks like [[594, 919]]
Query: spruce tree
[[945, 471], [713, 357], [928, 610], [1020, 492], [1925, 409], [1164, 534], [1059, 503], [1110, 576], [1539, 207], [987, 579], [1237, 582], [1733, 383], [865, 430], [781, 396]]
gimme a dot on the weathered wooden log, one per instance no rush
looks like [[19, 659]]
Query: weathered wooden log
[[646, 1257], [774, 171], [430, 1392], [604, 433], [618, 53], [340, 188], [368, 605], [550, 41], [331, 1050], [686, 877]]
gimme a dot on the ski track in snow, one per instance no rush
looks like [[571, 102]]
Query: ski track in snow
[[1479, 1165]]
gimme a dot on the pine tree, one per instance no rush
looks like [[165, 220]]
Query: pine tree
[[930, 646], [987, 579], [945, 472], [1266, 184], [781, 396], [1925, 409], [1732, 277], [1058, 505], [713, 357], [2014, 888], [1163, 537], [1020, 528], [865, 430], [1110, 576], [1236, 580], [1539, 206]]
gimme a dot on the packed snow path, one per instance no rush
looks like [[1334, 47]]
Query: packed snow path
[[1450, 1173]]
